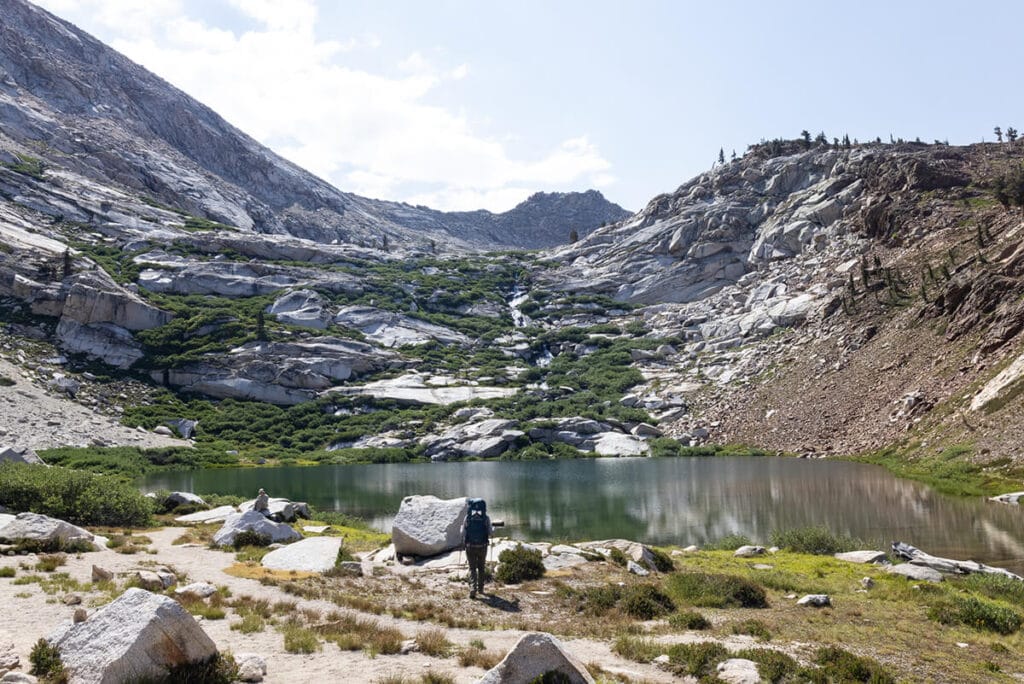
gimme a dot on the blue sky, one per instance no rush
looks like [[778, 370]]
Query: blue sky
[[464, 105]]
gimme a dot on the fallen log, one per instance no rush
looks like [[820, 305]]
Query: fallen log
[[916, 556]]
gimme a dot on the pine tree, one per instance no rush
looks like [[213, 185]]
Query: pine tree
[[573, 236], [68, 266], [261, 326], [999, 133], [806, 135], [1011, 134], [734, 155], [721, 155]]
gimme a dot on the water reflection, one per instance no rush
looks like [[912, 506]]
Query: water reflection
[[677, 501]]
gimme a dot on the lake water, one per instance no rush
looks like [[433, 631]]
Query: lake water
[[660, 501]]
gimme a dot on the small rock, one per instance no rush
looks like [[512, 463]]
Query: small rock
[[18, 678], [101, 575], [200, 589], [637, 569], [163, 430], [815, 601], [72, 600], [862, 556], [867, 582], [80, 615], [663, 659], [692, 548], [409, 646], [251, 667], [915, 572], [748, 551]]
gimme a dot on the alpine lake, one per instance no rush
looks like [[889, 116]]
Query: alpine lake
[[666, 501]]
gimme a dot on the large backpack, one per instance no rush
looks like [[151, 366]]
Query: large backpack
[[477, 524]]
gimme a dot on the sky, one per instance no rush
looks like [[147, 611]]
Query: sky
[[462, 105]]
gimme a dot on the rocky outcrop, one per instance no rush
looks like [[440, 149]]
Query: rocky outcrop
[[315, 554], [417, 389], [1002, 388], [534, 656], [19, 454], [253, 521], [487, 438], [281, 510], [138, 636], [302, 308], [49, 533], [427, 526], [395, 330]]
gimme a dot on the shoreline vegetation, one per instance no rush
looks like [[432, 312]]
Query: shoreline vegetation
[[948, 472]]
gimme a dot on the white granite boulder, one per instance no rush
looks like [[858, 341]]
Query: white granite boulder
[[48, 532], [748, 551], [815, 600], [251, 667], [315, 554], [138, 636], [427, 526], [862, 556], [281, 510], [253, 521], [175, 499], [532, 657], [915, 572], [214, 515], [738, 671]]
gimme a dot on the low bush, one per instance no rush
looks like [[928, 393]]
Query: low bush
[[76, 497], [618, 557], [842, 666], [696, 660], [976, 613], [519, 565], [814, 540], [662, 561], [433, 642], [220, 669], [996, 587], [688, 619], [774, 666], [48, 562], [46, 662], [712, 590], [250, 538], [637, 649], [754, 628], [730, 542], [646, 602]]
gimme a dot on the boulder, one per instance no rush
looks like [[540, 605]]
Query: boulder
[[532, 657], [316, 554], [1011, 498], [564, 561], [101, 574], [738, 671], [251, 667], [303, 308], [200, 589], [45, 531], [427, 526], [214, 515], [281, 510], [637, 569], [19, 454], [138, 636], [18, 678], [175, 499], [252, 521], [862, 556], [390, 329], [618, 444], [915, 572], [185, 427], [815, 600], [155, 581], [748, 551]]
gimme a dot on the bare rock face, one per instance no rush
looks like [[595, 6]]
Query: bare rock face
[[138, 636], [427, 526], [19, 454], [253, 521], [532, 657]]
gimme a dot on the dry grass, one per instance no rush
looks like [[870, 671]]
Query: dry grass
[[352, 633], [434, 642], [198, 534]]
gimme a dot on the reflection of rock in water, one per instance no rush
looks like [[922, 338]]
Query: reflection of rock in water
[[677, 501]]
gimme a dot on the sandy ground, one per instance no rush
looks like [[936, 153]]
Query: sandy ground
[[27, 618], [33, 417]]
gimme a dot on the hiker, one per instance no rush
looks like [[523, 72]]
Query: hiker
[[476, 535], [262, 503]]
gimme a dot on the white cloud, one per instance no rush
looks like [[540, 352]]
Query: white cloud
[[370, 133]]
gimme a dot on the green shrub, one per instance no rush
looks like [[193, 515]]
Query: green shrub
[[774, 666], [637, 649], [730, 542], [995, 586], [618, 557], [46, 662], [754, 628], [250, 538], [220, 669], [712, 590], [976, 613], [697, 660], [688, 619], [842, 666], [552, 677], [814, 540], [77, 497], [662, 561], [519, 565], [646, 602]]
